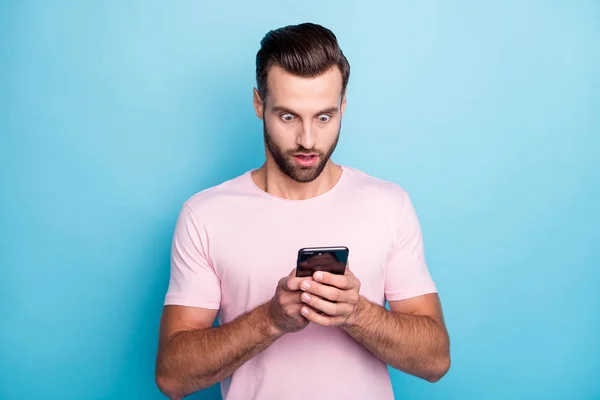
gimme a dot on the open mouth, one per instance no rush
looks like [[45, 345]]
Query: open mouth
[[306, 160]]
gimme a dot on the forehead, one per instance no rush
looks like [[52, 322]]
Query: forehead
[[300, 93]]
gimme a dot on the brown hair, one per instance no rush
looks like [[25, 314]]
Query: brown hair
[[305, 50]]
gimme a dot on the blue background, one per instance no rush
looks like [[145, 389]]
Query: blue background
[[113, 113]]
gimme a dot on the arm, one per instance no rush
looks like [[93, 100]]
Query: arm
[[193, 356], [411, 337]]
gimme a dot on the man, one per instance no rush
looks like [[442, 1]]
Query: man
[[235, 245]]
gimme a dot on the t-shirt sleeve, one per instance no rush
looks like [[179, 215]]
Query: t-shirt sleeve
[[193, 281], [407, 274]]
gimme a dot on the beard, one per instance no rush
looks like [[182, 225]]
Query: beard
[[286, 163]]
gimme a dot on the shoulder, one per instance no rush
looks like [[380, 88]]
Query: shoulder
[[388, 200], [214, 199], [377, 190]]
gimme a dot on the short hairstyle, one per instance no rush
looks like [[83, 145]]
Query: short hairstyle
[[305, 50]]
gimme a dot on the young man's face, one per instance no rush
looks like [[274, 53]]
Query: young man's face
[[301, 121]]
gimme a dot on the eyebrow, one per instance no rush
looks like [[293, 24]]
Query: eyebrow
[[287, 110]]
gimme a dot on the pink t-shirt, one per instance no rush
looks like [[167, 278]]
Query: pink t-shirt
[[233, 242]]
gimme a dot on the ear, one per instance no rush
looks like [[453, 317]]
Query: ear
[[258, 105], [343, 106]]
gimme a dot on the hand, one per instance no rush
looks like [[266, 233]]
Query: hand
[[335, 295], [284, 307]]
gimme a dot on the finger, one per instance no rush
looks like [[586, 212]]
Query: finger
[[294, 310], [296, 298], [327, 292], [286, 284], [332, 309], [291, 298], [348, 272], [327, 278], [321, 319], [292, 284]]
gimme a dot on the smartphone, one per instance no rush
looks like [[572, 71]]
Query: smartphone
[[329, 259]]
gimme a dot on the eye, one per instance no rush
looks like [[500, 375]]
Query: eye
[[324, 118], [287, 117]]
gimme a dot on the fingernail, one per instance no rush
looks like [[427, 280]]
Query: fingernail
[[304, 311], [304, 285], [305, 297], [318, 276]]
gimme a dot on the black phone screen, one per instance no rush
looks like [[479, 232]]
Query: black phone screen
[[329, 259]]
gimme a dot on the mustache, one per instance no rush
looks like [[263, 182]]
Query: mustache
[[304, 150]]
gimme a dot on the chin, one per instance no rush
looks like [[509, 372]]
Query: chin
[[305, 174], [303, 178]]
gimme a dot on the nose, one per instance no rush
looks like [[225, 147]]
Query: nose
[[306, 138]]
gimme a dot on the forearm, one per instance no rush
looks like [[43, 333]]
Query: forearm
[[417, 345], [193, 360]]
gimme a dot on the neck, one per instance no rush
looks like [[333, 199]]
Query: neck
[[270, 179]]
